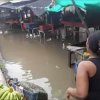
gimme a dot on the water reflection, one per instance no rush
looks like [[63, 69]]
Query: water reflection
[[42, 64], [15, 70]]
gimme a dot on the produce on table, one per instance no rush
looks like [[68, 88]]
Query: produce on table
[[86, 54]]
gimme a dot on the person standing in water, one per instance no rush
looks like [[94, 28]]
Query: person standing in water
[[88, 72]]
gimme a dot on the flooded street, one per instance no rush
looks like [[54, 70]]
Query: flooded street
[[43, 64]]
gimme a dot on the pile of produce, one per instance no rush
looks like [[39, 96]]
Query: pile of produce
[[8, 93], [86, 55]]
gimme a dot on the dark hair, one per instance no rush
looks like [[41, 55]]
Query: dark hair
[[94, 42]]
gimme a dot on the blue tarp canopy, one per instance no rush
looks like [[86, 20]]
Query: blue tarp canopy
[[55, 8], [60, 4], [79, 3]]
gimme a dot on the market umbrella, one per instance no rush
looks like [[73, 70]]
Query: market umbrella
[[84, 4]]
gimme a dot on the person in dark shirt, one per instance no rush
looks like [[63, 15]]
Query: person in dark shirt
[[88, 72]]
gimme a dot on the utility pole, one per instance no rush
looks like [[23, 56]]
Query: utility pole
[[81, 17]]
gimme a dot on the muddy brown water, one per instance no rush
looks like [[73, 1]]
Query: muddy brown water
[[43, 64]]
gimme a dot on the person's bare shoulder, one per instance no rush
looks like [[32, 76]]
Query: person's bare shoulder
[[88, 67]]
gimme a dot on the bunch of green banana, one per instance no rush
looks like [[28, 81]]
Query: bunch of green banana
[[1, 86], [8, 93]]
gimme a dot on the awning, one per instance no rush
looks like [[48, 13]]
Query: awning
[[55, 8], [79, 3], [60, 4]]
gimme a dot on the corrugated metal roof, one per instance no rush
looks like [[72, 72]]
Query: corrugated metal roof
[[38, 7], [17, 4], [24, 2]]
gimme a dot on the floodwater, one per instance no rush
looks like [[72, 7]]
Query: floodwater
[[43, 64]]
